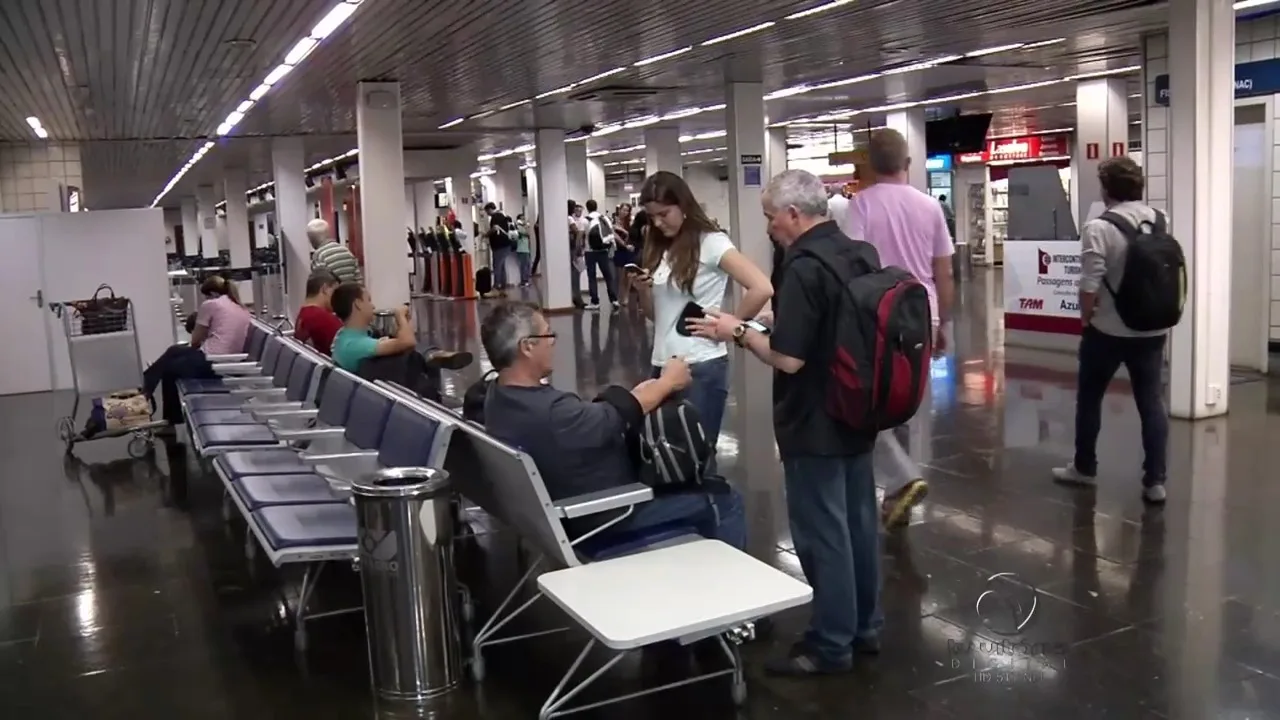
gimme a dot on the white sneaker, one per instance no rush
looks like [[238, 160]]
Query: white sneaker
[[1154, 494], [593, 307], [1069, 475]]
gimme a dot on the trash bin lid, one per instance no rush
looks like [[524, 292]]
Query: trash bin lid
[[402, 482]]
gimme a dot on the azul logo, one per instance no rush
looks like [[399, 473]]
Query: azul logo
[[1031, 303], [1071, 305], [378, 549]]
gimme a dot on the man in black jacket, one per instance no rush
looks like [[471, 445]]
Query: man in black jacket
[[501, 243]]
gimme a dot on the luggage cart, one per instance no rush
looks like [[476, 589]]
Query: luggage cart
[[103, 363]]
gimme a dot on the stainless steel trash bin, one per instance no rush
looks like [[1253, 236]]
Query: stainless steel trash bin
[[405, 536]]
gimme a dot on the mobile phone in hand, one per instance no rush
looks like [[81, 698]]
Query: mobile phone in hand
[[632, 268], [692, 311]]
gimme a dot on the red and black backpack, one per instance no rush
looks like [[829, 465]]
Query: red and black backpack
[[882, 330]]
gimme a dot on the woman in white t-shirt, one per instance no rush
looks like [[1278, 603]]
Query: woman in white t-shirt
[[687, 258]]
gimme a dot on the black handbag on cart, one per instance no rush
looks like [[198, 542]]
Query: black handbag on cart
[[102, 314]]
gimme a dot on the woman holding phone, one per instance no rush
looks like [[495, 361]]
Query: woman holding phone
[[685, 267]]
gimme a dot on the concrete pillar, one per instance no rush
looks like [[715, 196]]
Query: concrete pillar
[[190, 228], [206, 214], [381, 143], [234, 185], [288, 162], [531, 210], [553, 198], [595, 183], [506, 182], [1102, 131], [579, 184], [744, 121], [662, 150], [910, 123], [775, 150], [1201, 119]]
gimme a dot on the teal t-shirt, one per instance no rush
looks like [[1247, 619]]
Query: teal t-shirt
[[352, 346]]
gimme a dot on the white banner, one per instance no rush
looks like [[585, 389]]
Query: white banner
[[1042, 278]]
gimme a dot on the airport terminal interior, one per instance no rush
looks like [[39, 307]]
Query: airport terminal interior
[[147, 146]]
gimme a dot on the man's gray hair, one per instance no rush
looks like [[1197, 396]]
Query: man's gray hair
[[504, 328], [799, 189], [318, 232]]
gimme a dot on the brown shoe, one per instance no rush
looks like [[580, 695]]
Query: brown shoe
[[896, 509]]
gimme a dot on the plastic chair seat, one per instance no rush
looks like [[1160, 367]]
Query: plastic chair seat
[[259, 491], [289, 526], [242, 463], [217, 401], [219, 435], [608, 545], [188, 386], [222, 417]]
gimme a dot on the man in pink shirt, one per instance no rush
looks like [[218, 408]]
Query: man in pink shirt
[[909, 230]]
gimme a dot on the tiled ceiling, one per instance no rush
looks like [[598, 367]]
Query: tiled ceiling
[[142, 82]]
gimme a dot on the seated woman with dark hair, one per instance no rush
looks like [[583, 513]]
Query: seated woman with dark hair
[[218, 328]]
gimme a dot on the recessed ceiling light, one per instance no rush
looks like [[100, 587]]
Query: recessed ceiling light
[[663, 56], [815, 10]]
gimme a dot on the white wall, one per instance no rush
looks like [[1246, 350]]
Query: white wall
[[712, 192], [124, 248], [30, 175], [1256, 39]]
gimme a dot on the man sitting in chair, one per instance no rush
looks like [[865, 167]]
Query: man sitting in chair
[[579, 445], [356, 350]]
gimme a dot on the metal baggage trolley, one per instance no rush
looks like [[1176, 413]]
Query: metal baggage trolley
[[104, 359]]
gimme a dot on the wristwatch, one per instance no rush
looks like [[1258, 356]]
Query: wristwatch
[[740, 334]]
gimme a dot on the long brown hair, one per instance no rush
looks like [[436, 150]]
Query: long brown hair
[[667, 188], [218, 285]]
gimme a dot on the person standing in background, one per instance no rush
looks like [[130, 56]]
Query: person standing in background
[[625, 253], [599, 246], [501, 243], [330, 254], [524, 254], [908, 229], [576, 260], [838, 210]]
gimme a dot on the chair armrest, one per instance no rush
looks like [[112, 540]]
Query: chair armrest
[[238, 368], [285, 412], [228, 358], [244, 379], [253, 392], [310, 457], [310, 433], [604, 500]]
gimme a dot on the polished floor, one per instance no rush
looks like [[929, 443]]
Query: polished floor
[[124, 594]]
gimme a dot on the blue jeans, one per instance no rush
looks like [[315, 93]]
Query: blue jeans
[[500, 256], [1100, 357], [525, 261], [598, 261], [708, 393], [715, 515], [835, 526]]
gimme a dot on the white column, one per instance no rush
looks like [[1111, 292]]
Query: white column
[[576, 161], [1201, 108], [531, 181], [553, 198], [662, 150], [744, 121], [206, 215], [287, 164], [506, 182], [1102, 131], [234, 185], [910, 123], [775, 150], [381, 143], [190, 228], [595, 183]]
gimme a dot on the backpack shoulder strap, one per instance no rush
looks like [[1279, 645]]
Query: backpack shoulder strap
[[1120, 223]]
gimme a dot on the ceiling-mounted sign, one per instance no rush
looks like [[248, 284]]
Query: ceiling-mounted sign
[[1252, 79], [752, 159], [847, 157], [751, 174], [938, 163]]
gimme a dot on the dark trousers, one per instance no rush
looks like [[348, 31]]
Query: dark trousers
[[1100, 356], [179, 362], [599, 259], [835, 526]]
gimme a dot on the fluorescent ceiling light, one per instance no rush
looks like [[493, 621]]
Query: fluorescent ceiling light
[[601, 76], [34, 122], [557, 91], [42, 133], [664, 56], [891, 108], [524, 149], [682, 113], [788, 92], [301, 51], [993, 50], [1043, 43], [821, 8], [451, 123], [516, 104], [234, 118], [336, 17], [274, 76], [1248, 4], [739, 33], [922, 65], [1106, 73], [846, 81], [223, 129], [259, 91], [482, 115], [641, 122], [244, 107]]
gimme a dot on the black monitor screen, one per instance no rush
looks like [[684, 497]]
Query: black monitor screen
[[955, 135]]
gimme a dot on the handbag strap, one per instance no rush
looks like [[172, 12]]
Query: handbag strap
[[102, 287]]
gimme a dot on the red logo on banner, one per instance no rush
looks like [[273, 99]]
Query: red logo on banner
[[1117, 149], [1091, 151]]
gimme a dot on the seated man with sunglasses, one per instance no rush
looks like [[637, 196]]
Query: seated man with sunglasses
[[579, 445]]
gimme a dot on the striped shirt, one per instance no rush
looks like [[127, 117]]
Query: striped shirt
[[337, 259]]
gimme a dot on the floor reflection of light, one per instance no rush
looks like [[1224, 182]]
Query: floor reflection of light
[[87, 611]]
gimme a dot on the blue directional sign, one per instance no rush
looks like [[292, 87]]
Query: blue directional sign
[[1252, 79]]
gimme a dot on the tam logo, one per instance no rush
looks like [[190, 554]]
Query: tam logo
[[1031, 303]]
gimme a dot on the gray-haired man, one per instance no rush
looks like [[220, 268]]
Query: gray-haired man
[[332, 255]]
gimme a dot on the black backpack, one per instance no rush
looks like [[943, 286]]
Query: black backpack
[[883, 332], [599, 234], [1153, 288], [673, 448]]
